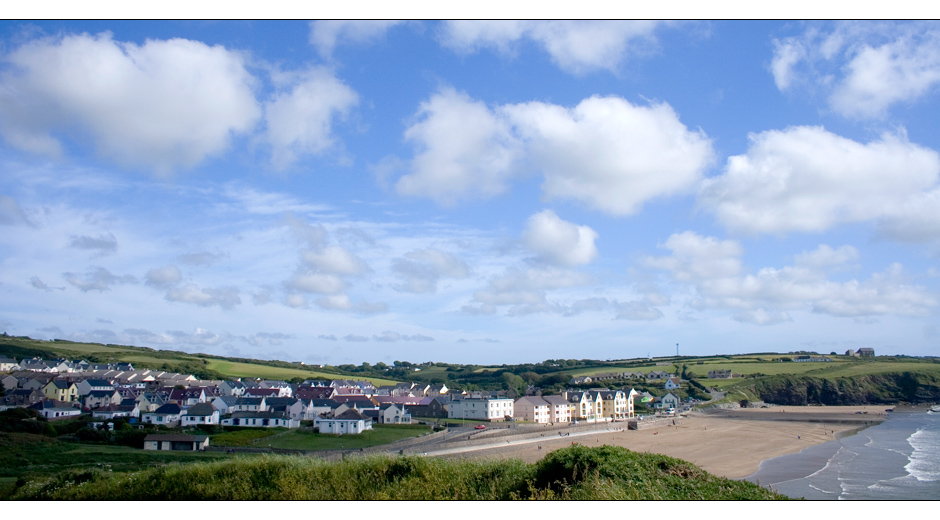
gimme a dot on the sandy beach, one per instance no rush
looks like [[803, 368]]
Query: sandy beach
[[729, 443]]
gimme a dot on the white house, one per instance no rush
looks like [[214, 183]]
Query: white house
[[166, 415], [348, 422], [669, 400], [559, 409], [8, 365], [672, 383], [114, 411], [484, 409], [51, 409], [260, 419], [202, 413]]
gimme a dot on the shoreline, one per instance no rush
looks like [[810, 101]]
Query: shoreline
[[727, 443]]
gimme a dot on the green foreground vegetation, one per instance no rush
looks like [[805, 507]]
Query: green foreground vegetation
[[573, 473]]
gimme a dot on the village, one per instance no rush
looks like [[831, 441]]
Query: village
[[157, 400]]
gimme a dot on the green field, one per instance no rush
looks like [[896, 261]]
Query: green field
[[379, 435]]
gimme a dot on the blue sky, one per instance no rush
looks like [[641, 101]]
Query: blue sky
[[472, 192]]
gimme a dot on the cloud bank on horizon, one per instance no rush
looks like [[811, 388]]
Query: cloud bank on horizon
[[480, 192]]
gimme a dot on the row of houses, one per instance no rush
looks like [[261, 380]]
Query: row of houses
[[653, 375]]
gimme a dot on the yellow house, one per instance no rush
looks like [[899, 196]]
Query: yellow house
[[584, 406], [61, 391]]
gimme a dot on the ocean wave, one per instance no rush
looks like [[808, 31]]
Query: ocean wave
[[924, 463]]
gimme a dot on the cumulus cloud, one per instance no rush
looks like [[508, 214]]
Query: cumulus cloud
[[335, 260], [713, 268], [164, 277], [423, 268], [864, 67], [325, 35], [464, 150], [605, 152], [355, 338], [164, 105], [98, 280], [299, 121], [559, 242], [610, 154], [808, 179], [576, 46], [225, 297], [103, 244], [329, 337], [316, 283]]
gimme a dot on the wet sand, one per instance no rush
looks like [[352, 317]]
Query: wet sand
[[728, 443]]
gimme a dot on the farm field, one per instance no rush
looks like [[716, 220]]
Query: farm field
[[237, 369]]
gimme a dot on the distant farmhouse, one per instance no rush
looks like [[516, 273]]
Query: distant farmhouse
[[862, 352], [719, 374]]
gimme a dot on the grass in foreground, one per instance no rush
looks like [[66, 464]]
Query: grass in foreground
[[573, 473]]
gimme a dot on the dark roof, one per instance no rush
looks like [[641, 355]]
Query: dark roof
[[201, 409], [257, 415], [169, 409], [350, 414]]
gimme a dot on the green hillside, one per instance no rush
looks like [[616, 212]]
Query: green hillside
[[201, 365]]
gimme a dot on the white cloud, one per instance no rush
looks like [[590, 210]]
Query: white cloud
[[713, 268], [317, 283], [98, 280], [575, 46], [166, 104], [525, 291], [423, 268], [808, 179], [610, 154], [335, 260], [225, 297], [164, 277], [464, 150], [605, 152], [299, 122], [559, 242], [325, 35], [865, 67]]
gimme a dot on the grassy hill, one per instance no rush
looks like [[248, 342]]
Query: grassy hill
[[201, 365], [572, 473]]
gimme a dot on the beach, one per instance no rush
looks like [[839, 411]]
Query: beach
[[728, 443]]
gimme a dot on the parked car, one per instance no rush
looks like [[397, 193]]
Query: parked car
[[480, 427]]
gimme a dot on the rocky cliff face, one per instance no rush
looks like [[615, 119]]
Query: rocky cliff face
[[870, 389]]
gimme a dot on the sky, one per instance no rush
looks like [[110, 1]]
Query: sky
[[471, 192]]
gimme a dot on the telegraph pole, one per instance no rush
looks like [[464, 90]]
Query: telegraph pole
[[677, 350]]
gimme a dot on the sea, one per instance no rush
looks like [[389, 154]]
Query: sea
[[897, 459]]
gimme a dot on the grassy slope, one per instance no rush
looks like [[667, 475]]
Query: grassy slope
[[157, 358], [576, 472]]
